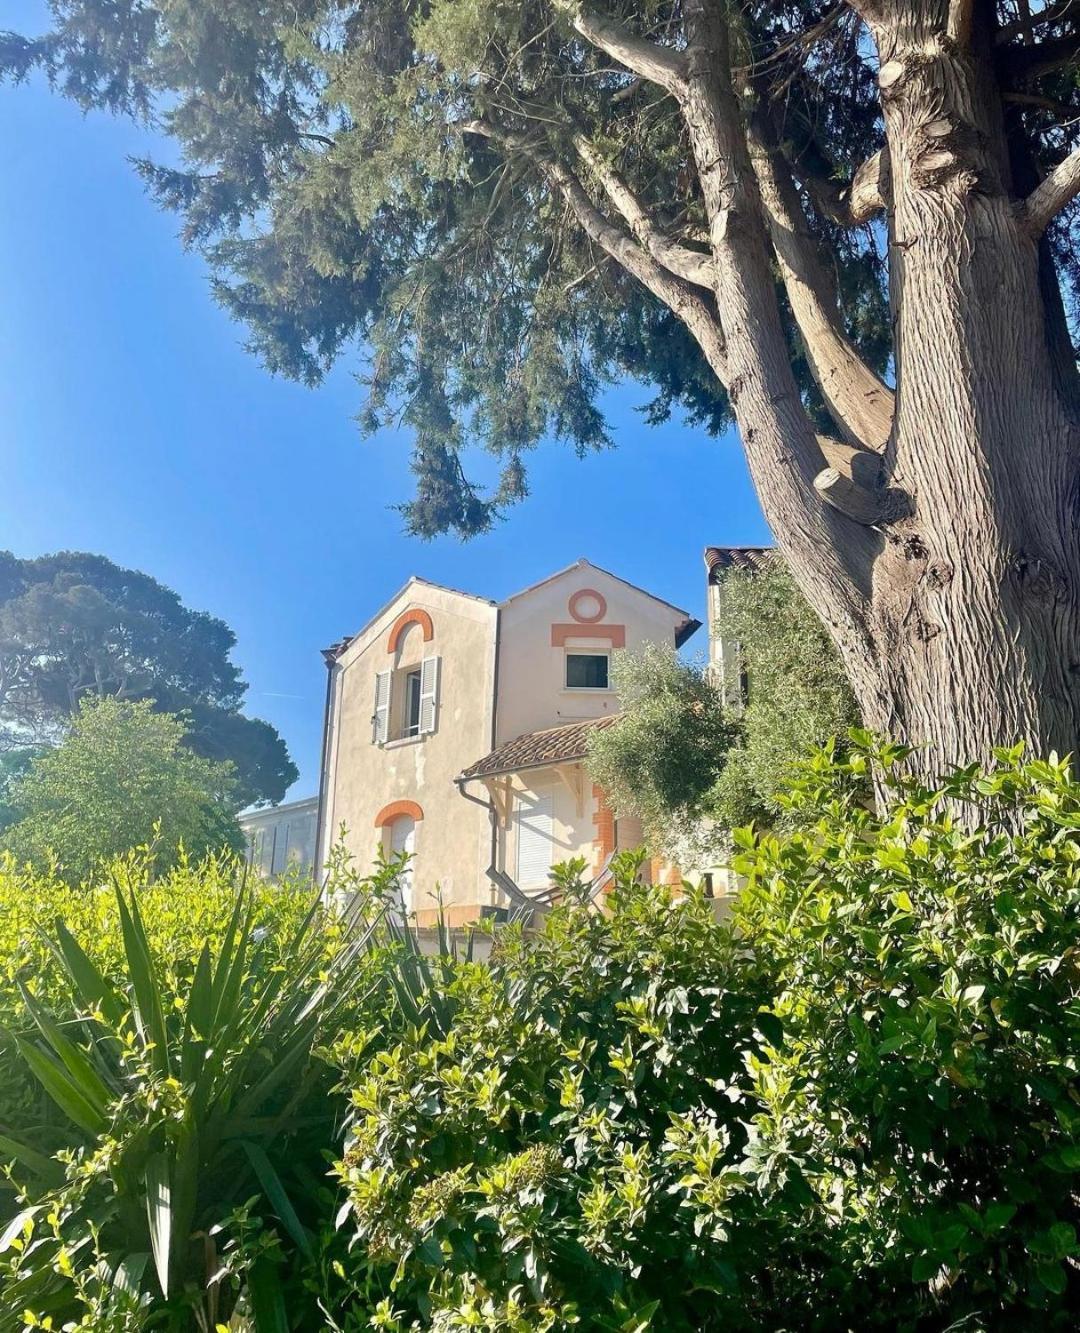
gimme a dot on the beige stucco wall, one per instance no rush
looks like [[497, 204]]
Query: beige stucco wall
[[532, 692], [452, 842]]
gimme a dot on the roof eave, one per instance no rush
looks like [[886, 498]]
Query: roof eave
[[521, 768], [686, 631]]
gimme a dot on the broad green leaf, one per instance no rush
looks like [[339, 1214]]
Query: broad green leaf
[[15, 1227], [159, 1215], [50, 1170], [197, 1034], [129, 1273], [275, 1191], [63, 1089], [77, 1063], [149, 1010], [91, 987]]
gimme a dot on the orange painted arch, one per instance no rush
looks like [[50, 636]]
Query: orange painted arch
[[396, 810], [417, 616]]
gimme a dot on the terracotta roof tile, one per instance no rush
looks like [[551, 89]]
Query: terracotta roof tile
[[719, 559], [537, 748]]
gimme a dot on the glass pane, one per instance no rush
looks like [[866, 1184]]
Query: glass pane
[[586, 671], [412, 703]]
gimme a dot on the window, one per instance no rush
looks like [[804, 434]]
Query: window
[[411, 720], [586, 671], [406, 702], [403, 843]]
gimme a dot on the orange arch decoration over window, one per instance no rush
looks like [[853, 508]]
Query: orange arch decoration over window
[[395, 810], [417, 616]]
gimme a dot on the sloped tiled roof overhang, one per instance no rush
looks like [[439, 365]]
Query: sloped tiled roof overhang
[[539, 749], [719, 559]]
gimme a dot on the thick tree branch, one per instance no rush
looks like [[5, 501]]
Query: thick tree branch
[[870, 11], [830, 554], [859, 401], [658, 64], [1049, 197], [958, 24], [1017, 65], [683, 262], [685, 303]]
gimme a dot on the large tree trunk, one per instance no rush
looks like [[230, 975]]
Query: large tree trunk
[[975, 605], [959, 621]]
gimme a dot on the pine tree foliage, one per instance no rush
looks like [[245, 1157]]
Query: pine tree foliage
[[75, 626], [329, 175], [849, 227]]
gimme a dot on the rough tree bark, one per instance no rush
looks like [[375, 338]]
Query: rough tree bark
[[943, 550]]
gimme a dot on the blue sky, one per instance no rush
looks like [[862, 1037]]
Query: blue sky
[[133, 423]]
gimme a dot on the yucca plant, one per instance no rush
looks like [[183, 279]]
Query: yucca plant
[[197, 1120]]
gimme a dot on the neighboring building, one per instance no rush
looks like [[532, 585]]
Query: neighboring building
[[457, 727], [282, 837], [725, 660]]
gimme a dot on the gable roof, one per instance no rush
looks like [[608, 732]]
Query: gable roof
[[682, 631], [583, 563], [335, 650], [720, 559], [537, 749]]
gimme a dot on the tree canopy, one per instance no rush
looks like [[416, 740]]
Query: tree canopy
[[338, 178], [849, 227], [76, 626], [121, 778]]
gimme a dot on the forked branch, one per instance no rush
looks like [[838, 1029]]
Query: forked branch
[[851, 205], [679, 259], [687, 304]]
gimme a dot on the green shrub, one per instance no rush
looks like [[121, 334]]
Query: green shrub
[[928, 986], [798, 697], [541, 1154], [121, 777], [191, 1120], [858, 1109], [856, 1106]]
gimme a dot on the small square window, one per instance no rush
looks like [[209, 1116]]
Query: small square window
[[586, 671]]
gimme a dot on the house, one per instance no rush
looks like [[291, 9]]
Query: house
[[726, 668], [457, 727], [282, 837]]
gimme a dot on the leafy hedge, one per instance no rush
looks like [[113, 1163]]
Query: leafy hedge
[[854, 1105]]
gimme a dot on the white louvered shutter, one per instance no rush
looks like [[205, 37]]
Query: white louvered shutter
[[380, 719], [535, 833], [429, 694]]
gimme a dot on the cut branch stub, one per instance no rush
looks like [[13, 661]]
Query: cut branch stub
[[858, 503], [853, 483], [860, 465]]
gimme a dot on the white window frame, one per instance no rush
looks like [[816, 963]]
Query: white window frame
[[409, 727], [586, 652]]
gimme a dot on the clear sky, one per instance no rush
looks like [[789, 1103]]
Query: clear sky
[[133, 423]]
